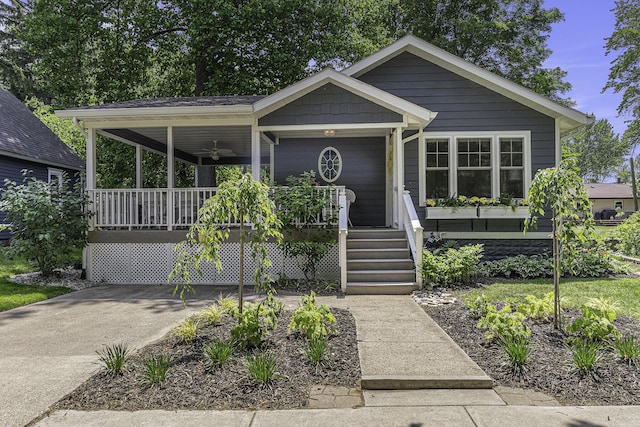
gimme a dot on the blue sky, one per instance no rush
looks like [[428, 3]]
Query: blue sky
[[578, 48]]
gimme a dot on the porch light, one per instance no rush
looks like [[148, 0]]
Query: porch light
[[329, 132]]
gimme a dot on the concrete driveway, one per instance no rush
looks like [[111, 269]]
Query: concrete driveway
[[48, 348]]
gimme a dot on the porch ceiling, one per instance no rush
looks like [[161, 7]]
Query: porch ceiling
[[198, 140]]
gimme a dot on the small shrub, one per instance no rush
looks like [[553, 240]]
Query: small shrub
[[628, 349], [540, 309], [114, 357], [519, 266], [48, 221], [312, 321], [478, 307], [596, 322], [627, 235], [262, 367], [504, 324], [228, 305], [217, 353], [255, 322], [592, 260], [187, 330], [155, 369], [586, 354], [316, 349], [451, 265], [517, 350], [211, 315]]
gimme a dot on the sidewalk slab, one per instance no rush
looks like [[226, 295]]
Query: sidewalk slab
[[451, 416], [555, 416], [148, 418], [434, 397], [400, 347]]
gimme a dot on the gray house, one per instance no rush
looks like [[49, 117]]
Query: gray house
[[401, 128], [27, 143]]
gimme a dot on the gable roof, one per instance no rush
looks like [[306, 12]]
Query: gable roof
[[24, 136], [609, 191], [569, 118], [417, 114]]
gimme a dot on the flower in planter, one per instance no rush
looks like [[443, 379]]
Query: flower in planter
[[431, 203]]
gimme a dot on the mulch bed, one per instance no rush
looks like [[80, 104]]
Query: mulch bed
[[550, 369], [189, 385]]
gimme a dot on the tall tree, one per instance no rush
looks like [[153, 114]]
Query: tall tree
[[15, 61], [598, 150], [624, 74], [507, 37], [260, 46]]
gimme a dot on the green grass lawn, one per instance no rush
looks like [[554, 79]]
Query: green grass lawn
[[13, 295], [625, 291]]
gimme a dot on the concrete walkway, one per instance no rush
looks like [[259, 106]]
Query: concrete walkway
[[48, 348]]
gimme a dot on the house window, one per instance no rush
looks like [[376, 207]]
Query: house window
[[618, 205], [512, 167], [55, 176], [483, 164], [474, 166], [330, 164], [437, 152]]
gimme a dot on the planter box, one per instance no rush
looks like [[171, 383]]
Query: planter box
[[462, 212], [504, 212]]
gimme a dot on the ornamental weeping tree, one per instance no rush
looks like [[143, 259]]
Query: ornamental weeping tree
[[561, 190], [243, 201]]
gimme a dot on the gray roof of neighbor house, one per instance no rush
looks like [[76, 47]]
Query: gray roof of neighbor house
[[24, 136], [609, 191]]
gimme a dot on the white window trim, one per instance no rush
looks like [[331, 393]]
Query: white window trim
[[340, 165], [54, 172], [495, 159]]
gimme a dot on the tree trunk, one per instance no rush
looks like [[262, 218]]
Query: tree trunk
[[556, 272], [241, 277], [634, 185]]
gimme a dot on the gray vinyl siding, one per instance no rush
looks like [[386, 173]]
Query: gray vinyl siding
[[462, 105], [363, 171], [330, 104]]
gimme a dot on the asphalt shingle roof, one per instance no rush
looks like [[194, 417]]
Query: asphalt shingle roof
[[194, 101], [23, 134], [609, 191]]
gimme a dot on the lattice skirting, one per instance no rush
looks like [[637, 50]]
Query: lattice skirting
[[151, 263]]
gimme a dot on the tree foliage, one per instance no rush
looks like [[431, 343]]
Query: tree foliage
[[624, 74], [48, 220], [597, 148], [507, 37], [244, 201], [561, 190], [16, 73]]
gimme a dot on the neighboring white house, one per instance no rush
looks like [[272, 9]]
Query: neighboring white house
[[608, 199]]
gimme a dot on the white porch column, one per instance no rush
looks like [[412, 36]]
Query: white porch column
[[170, 177], [398, 185], [91, 159], [138, 166], [255, 153]]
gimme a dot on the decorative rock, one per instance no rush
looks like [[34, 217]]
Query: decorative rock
[[433, 297]]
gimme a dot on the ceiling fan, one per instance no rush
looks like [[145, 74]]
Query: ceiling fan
[[215, 153]]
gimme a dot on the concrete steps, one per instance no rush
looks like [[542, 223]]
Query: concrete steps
[[379, 263]]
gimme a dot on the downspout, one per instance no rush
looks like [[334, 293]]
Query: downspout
[[79, 127]]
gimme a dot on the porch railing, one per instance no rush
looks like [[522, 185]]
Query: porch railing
[[163, 208], [343, 231], [414, 233]]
